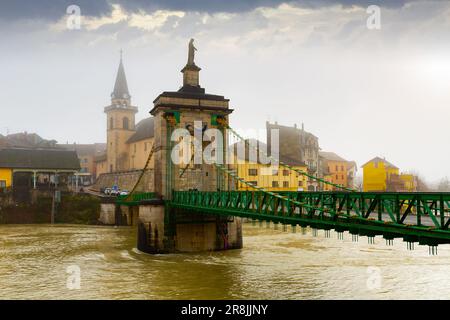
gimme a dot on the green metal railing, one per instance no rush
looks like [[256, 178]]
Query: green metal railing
[[415, 217], [135, 198]]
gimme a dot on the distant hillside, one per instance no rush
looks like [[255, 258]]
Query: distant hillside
[[26, 140]]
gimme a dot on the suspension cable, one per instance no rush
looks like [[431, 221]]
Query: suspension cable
[[152, 151], [223, 123], [276, 195]]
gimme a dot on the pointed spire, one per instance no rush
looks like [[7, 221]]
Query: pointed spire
[[121, 85]]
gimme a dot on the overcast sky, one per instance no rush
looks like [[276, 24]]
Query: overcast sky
[[363, 92]]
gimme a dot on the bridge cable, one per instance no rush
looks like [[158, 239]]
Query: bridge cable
[[223, 123], [142, 173], [276, 195]]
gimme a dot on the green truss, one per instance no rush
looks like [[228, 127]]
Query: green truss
[[415, 217]]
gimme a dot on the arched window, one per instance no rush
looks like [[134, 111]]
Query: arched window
[[111, 123], [126, 123]]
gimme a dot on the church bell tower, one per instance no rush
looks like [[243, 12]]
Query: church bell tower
[[120, 117]]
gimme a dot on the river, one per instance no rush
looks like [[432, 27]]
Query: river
[[37, 260]]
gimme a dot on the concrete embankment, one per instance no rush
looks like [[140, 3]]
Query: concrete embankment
[[74, 208]]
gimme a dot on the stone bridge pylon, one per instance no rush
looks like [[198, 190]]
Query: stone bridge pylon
[[162, 229]]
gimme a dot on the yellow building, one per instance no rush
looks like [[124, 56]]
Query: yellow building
[[327, 187], [140, 144], [381, 175], [376, 174], [335, 170], [5, 178], [409, 182], [27, 168], [269, 176]]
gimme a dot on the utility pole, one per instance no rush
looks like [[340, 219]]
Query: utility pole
[[56, 199]]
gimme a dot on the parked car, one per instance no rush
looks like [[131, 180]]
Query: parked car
[[124, 192], [115, 192]]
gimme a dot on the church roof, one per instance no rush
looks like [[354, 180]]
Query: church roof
[[121, 85], [144, 130]]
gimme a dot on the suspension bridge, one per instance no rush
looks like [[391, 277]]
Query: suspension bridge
[[200, 209], [413, 217]]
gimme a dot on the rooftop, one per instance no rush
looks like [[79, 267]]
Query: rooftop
[[121, 86], [331, 156], [21, 158], [144, 130], [84, 149], [378, 159]]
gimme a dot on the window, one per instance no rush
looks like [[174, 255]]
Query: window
[[126, 123], [111, 123], [255, 183], [145, 146], [300, 183], [2, 184], [252, 172], [337, 168], [285, 172], [337, 177], [342, 168], [275, 172], [342, 177], [285, 184], [135, 148], [274, 184]]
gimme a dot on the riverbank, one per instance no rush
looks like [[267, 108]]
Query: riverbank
[[73, 209]]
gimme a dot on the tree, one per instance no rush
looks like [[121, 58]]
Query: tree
[[422, 185], [444, 185]]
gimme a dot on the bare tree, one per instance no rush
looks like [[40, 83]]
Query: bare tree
[[422, 184], [444, 185]]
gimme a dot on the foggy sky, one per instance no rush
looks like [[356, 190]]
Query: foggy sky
[[364, 93]]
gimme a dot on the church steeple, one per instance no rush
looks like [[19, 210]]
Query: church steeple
[[120, 91], [120, 123]]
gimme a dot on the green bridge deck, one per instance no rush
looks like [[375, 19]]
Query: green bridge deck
[[135, 198], [415, 217]]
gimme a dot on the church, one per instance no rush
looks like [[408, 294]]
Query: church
[[128, 144]]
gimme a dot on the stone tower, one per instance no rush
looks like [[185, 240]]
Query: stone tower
[[120, 117], [187, 105], [162, 228]]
